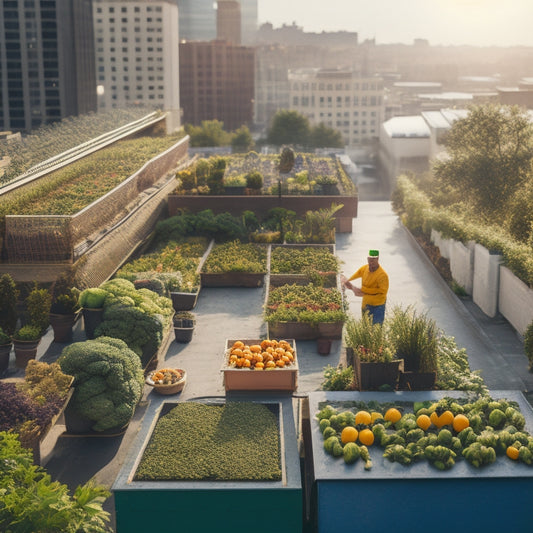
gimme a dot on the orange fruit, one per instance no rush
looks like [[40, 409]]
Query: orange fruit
[[460, 422], [375, 416], [434, 417], [445, 419], [512, 452], [423, 422], [393, 415], [363, 417], [349, 434], [366, 437]]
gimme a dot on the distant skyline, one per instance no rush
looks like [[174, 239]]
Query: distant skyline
[[441, 22]]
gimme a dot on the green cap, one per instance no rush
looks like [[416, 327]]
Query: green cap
[[373, 253]]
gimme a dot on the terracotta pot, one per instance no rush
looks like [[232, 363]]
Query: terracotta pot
[[323, 346], [24, 351], [62, 326], [92, 318], [183, 334]]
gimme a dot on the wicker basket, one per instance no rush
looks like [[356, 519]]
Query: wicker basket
[[171, 388]]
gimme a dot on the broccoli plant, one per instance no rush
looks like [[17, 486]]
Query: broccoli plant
[[108, 380]]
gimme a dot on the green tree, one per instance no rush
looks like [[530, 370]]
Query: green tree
[[490, 153], [289, 127], [241, 140], [210, 133], [323, 137]]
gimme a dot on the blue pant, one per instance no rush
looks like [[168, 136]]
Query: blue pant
[[377, 312]]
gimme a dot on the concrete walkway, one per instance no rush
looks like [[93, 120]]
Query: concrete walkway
[[493, 346]]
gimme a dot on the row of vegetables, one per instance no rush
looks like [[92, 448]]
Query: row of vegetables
[[441, 432]]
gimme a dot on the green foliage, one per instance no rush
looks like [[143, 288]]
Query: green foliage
[[528, 345], [241, 140], [302, 260], [4, 337], [210, 133], [417, 213], [31, 501], [187, 179], [215, 179], [236, 257], [92, 298], [286, 160], [39, 302], [108, 380], [288, 127], [254, 180], [28, 333], [65, 295], [370, 341], [8, 306], [490, 151], [212, 431], [414, 337], [321, 136], [338, 378]]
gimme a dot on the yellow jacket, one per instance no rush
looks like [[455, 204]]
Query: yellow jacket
[[375, 285]]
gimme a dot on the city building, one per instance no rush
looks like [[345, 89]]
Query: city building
[[340, 99], [47, 67], [137, 54], [198, 20], [229, 21], [217, 83]]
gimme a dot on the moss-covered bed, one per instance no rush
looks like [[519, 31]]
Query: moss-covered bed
[[235, 441]]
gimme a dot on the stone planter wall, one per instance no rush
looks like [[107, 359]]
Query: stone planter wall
[[494, 288], [486, 280], [462, 264], [515, 300]]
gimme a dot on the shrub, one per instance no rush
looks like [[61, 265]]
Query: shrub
[[528, 345], [8, 309], [254, 180], [39, 302], [338, 378], [108, 380]]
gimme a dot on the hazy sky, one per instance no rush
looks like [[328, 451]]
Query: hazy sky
[[446, 22]]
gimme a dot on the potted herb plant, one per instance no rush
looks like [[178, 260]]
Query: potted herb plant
[[415, 337], [235, 185], [371, 354], [25, 342], [91, 301], [254, 182], [184, 322], [64, 310], [5, 350]]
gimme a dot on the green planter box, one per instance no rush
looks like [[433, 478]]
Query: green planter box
[[209, 506]]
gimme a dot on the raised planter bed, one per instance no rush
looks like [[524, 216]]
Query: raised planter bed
[[348, 494], [232, 279], [158, 506], [246, 379], [292, 330], [373, 375]]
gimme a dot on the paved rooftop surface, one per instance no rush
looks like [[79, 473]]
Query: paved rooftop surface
[[492, 344]]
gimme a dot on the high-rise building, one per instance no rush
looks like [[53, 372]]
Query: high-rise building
[[47, 62], [137, 53], [198, 20], [340, 99], [229, 21], [217, 83]]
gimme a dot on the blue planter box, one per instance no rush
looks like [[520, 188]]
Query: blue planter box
[[212, 506], [491, 498]]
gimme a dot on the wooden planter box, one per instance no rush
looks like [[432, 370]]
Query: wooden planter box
[[371, 376], [417, 380], [232, 279], [184, 301], [292, 330], [245, 379], [164, 506]]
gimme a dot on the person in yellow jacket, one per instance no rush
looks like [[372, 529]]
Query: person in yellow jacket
[[374, 287]]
